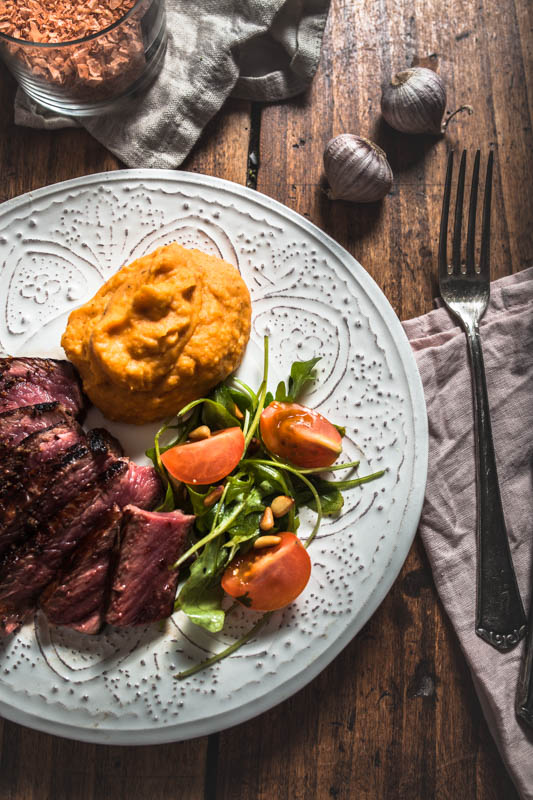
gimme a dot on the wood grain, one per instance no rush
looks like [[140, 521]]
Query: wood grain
[[34, 765], [478, 52], [34, 158], [223, 147], [395, 715]]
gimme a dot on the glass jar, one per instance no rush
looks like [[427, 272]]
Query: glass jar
[[94, 74]]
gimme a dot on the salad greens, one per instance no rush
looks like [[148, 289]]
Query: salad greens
[[301, 374], [229, 526]]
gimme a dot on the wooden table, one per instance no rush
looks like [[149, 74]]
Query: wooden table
[[395, 715]]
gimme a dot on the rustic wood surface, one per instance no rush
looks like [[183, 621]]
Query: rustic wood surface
[[395, 715]]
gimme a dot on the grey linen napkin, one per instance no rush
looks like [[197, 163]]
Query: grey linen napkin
[[253, 49], [448, 518]]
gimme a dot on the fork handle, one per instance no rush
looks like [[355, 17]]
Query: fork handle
[[524, 692], [500, 617]]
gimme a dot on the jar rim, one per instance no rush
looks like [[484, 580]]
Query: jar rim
[[82, 40]]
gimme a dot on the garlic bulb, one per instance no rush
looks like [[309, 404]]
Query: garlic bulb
[[414, 101], [357, 169]]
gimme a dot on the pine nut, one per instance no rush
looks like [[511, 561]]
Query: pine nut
[[281, 504], [266, 541], [237, 412], [213, 496], [203, 432], [267, 520]]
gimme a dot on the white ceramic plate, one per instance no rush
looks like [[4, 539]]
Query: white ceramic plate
[[57, 246]]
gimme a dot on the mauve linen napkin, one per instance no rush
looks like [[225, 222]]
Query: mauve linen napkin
[[448, 520], [253, 49]]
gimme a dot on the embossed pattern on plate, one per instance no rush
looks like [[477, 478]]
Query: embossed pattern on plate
[[57, 246]]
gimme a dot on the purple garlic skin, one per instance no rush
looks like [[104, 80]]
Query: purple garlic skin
[[414, 101], [357, 169]]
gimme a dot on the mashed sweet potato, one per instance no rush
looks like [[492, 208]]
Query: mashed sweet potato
[[161, 332]]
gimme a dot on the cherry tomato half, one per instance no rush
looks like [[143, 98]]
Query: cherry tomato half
[[207, 461], [300, 435], [269, 578]]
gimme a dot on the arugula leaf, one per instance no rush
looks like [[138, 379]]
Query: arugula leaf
[[254, 422], [168, 504], [245, 530], [186, 673], [183, 429], [281, 392], [216, 414], [221, 394], [303, 478], [197, 501], [152, 453], [269, 480], [351, 484], [204, 514], [301, 374], [331, 499], [329, 492], [201, 594], [226, 516], [243, 401], [251, 504], [245, 397], [239, 486]]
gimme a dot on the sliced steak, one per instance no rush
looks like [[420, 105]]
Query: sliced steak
[[28, 570], [20, 464], [28, 381], [18, 423], [144, 586], [51, 487], [142, 488], [78, 597], [101, 440]]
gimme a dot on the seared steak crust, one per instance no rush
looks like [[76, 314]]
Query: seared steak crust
[[144, 586], [28, 381], [101, 441], [29, 569], [48, 487], [19, 464], [18, 423], [77, 598]]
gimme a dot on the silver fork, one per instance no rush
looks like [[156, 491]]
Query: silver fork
[[500, 618]]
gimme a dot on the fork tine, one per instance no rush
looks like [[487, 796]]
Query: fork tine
[[484, 259], [443, 257], [458, 222], [471, 234]]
